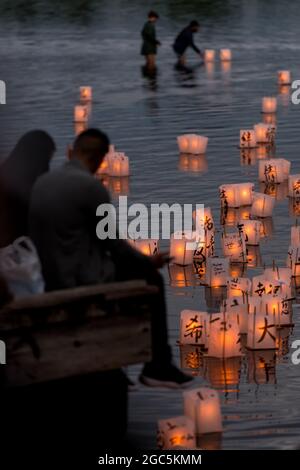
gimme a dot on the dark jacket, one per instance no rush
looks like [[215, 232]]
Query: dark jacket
[[29, 159], [62, 222], [150, 42], [184, 40]]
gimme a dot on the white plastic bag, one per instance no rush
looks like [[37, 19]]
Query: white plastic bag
[[21, 268]]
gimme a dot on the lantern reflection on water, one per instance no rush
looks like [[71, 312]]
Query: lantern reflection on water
[[248, 156], [79, 127], [238, 269], [103, 168], [254, 259], [192, 143], [217, 271], [223, 373], [193, 327], [223, 336], [119, 185], [278, 191], [214, 297], [250, 230], [81, 113], [234, 247], [236, 195], [85, 94], [274, 170], [191, 358], [267, 227], [261, 367], [230, 216], [284, 77], [294, 186], [263, 205], [270, 118], [293, 260], [269, 104], [193, 163], [181, 276], [247, 138], [176, 432], [202, 406]]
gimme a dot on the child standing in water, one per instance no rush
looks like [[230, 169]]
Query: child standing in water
[[150, 43]]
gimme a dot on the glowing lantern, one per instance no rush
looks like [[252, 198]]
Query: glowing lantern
[[118, 164], [103, 168], [261, 331], [270, 118], [263, 205], [193, 327], [81, 113], [223, 336], [234, 247], [236, 195], [236, 310], [79, 127], [85, 93], [119, 185], [247, 139], [284, 77], [192, 143], [275, 170], [264, 133], [269, 104], [217, 272], [250, 230], [279, 274], [293, 260], [183, 246], [261, 285], [176, 432], [279, 308], [238, 286], [148, 247], [253, 257], [202, 406], [225, 54], [295, 235], [204, 219], [191, 358], [209, 55], [294, 207], [230, 216], [294, 186]]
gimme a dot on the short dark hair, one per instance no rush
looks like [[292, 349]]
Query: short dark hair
[[93, 143], [194, 24], [153, 14]]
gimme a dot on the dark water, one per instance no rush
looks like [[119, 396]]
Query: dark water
[[49, 49]]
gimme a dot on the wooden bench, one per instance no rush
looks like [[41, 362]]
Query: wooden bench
[[76, 331]]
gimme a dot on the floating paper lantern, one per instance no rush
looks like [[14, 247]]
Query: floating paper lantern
[[247, 138], [103, 168], [278, 308], [85, 93], [225, 55], [275, 170], [264, 133], [263, 205], [269, 118], [293, 260], [81, 113], [118, 164], [269, 104], [251, 231], [284, 77], [279, 274], [295, 235], [236, 195], [234, 247], [236, 310], [230, 216], [202, 406], [183, 246], [261, 285], [217, 272], [209, 55], [261, 331], [203, 219], [178, 432], [278, 191], [294, 186], [148, 247], [238, 286], [224, 336], [294, 207], [192, 143], [119, 185], [193, 327]]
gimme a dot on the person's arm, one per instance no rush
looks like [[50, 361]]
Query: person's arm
[[193, 45], [149, 34]]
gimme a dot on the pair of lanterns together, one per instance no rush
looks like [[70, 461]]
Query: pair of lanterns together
[[82, 110], [210, 54], [242, 194]]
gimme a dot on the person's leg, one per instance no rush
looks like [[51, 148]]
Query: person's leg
[[150, 61], [182, 60]]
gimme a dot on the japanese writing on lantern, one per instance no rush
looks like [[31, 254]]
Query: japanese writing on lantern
[[270, 173], [265, 331], [296, 188], [193, 328]]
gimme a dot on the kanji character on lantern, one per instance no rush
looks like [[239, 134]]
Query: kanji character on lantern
[[250, 230], [193, 327], [274, 170], [234, 247], [294, 186], [224, 336], [217, 271], [176, 432], [247, 138]]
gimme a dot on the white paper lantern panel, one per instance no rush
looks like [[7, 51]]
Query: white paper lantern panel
[[263, 205], [209, 55], [293, 260], [295, 235], [238, 286], [192, 143], [265, 286], [284, 77], [294, 186], [203, 407], [274, 170], [236, 195], [118, 164], [247, 138], [264, 133], [269, 104], [234, 247], [224, 337], [176, 432], [225, 55], [193, 327], [251, 231], [236, 310], [278, 308], [279, 274], [217, 271], [261, 331], [183, 246]]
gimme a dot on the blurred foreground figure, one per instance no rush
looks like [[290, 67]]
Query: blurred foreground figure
[[29, 159], [150, 43], [63, 227], [184, 40]]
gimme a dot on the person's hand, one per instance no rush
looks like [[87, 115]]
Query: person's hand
[[160, 259]]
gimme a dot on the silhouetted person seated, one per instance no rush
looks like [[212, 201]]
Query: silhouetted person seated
[[63, 227], [184, 40]]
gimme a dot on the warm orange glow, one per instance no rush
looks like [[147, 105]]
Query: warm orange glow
[[269, 104], [284, 77], [85, 93], [225, 54], [80, 113], [209, 55]]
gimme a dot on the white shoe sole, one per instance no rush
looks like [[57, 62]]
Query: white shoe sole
[[149, 382]]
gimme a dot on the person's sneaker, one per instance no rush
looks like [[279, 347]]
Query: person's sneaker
[[169, 377]]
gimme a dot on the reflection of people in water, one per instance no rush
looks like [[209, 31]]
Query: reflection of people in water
[[184, 40], [150, 43]]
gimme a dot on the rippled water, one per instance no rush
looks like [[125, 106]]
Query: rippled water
[[49, 49]]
